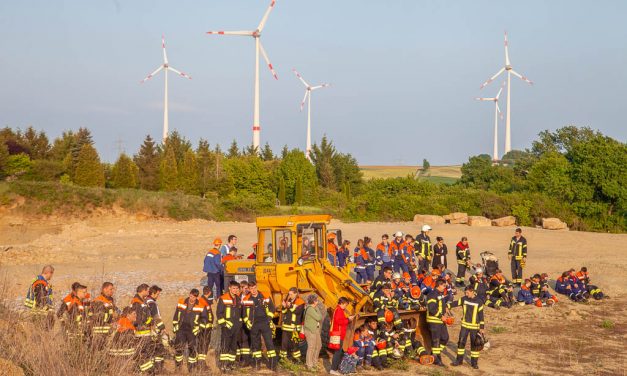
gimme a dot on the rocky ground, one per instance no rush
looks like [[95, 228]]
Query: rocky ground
[[568, 339]]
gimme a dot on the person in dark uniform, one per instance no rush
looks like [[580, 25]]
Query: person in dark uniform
[[436, 308], [439, 253], [229, 313], [518, 256], [186, 326], [258, 314], [472, 324]]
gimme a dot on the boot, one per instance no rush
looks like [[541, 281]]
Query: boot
[[438, 361], [474, 363], [458, 361], [191, 367]]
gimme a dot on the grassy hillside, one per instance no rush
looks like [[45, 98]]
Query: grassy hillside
[[436, 174]]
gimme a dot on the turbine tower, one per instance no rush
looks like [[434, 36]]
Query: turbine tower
[[497, 113], [165, 67], [307, 97], [510, 71], [256, 34]]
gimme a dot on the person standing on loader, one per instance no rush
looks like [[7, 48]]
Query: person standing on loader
[[518, 256], [424, 249], [463, 261], [397, 249], [213, 267], [472, 325], [258, 314], [229, 313], [383, 255], [436, 308], [186, 327], [39, 299], [292, 309]]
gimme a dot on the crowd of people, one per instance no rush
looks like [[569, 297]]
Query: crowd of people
[[406, 273]]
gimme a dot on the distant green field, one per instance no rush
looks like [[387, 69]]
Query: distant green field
[[436, 174]]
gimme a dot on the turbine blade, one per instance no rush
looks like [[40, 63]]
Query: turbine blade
[[165, 55], [506, 50], [265, 56], [302, 104], [265, 16], [151, 75], [492, 78], [320, 86], [485, 99], [499, 93], [521, 77], [498, 109], [180, 73], [300, 77], [241, 33]]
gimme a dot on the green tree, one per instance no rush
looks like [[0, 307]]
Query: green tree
[[179, 144], [62, 146], [188, 174], [282, 195], [425, 165], [292, 167], [17, 165], [266, 153], [298, 191], [89, 171], [4, 156], [284, 151], [250, 151], [248, 173], [168, 171], [551, 175], [321, 157], [233, 151], [124, 173], [37, 143], [206, 165], [562, 140], [147, 161], [346, 169]]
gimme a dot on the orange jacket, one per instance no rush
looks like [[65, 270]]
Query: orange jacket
[[124, 324]]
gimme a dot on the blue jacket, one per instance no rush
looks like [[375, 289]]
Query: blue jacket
[[525, 295], [224, 249], [332, 259], [213, 262], [342, 257]]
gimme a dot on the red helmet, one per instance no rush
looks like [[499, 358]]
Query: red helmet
[[553, 298], [389, 316], [539, 303], [301, 335], [448, 320], [415, 292], [382, 345]]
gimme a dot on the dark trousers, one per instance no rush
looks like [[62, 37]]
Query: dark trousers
[[337, 359], [370, 272], [461, 274], [439, 259], [204, 339], [423, 265], [439, 338], [257, 332], [517, 271], [289, 346], [214, 279], [228, 345], [185, 339], [361, 276], [243, 346], [464, 333]]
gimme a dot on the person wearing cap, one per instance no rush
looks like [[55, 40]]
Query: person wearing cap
[[518, 256], [439, 253], [397, 249], [213, 267], [472, 325], [383, 254], [332, 248], [424, 249], [253, 255]]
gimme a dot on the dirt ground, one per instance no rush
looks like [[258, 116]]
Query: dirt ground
[[567, 339]]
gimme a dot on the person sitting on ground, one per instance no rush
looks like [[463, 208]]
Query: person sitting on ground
[[584, 278], [501, 292], [541, 291], [364, 351], [385, 277], [524, 294], [378, 338], [348, 365], [564, 286]]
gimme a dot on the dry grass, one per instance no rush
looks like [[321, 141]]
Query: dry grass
[[382, 172]]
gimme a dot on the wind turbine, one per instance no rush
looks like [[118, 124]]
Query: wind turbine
[[510, 71], [256, 34], [307, 97], [497, 112], [165, 67]]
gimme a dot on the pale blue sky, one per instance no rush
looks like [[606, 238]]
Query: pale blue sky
[[404, 73]]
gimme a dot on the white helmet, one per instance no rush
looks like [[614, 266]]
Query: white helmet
[[398, 234], [478, 270], [426, 228], [396, 276]]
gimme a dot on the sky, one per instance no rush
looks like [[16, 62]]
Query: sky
[[404, 73]]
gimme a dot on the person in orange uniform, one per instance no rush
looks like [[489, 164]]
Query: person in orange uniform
[[142, 325], [72, 312], [206, 326], [124, 343], [213, 266], [332, 250], [102, 315], [229, 313], [186, 326], [39, 299], [292, 309]]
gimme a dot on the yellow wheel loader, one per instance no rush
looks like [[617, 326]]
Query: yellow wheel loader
[[292, 252]]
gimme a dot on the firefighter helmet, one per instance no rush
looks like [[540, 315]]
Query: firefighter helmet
[[448, 320], [389, 316], [415, 292], [480, 342], [396, 276], [382, 345], [539, 303], [426, 228]]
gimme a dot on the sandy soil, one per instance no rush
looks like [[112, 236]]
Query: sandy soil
[[530, 341]]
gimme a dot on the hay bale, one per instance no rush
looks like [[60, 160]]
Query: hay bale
[[429, 219], [479, 221], [8, 368], [505, 221], [553, 224]]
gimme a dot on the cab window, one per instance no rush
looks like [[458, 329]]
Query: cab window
[[283, 244], [265, 253], [311, 241]]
